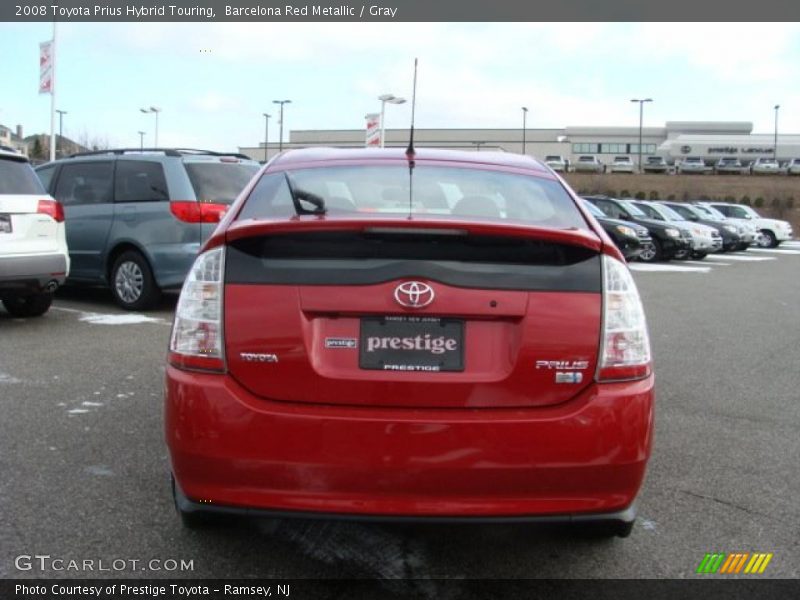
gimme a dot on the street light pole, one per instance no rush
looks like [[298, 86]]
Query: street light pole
[[155, 110], [391, 99], [266, 135], [141, 140], [641, 116], [61, 114], [777, 106], [524, 126], [280, 140]]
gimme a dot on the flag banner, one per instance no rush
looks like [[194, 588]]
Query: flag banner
[[373, 130], [46, 67]]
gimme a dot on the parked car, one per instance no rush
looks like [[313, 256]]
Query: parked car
[[692, 164], [728, 165], [746, 229], [33, 248], [793, 166], [655, 164], [622, 164], [378, 361], [705, 239], [557, 163], [765, 166], [668, 240], [135, 219], [771, 231], [630, 238], [729, 232], [589, 164]]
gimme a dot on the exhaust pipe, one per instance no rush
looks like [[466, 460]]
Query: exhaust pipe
[[51, 286]]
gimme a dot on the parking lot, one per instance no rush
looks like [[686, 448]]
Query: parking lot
[[85, 472]]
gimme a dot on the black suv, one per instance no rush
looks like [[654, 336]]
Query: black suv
[[668, 240]]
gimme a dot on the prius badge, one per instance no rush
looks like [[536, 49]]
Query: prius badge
[[566, 371], [414, 294]]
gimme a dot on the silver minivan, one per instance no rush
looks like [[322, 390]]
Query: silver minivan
[[135, 219]]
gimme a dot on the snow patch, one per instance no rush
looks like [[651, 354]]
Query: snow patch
[[6, 378], [91, 403], [77, 411]]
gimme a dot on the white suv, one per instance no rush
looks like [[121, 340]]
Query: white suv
[[771, 232], [33, 245]]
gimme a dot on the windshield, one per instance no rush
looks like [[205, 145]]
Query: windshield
[[710, 211], [621, 159], [553, 158], [767, 161], [669, 213], [634, 210], [655, 159], [685, 211], [435, 192], [593, 209], [750, 211]]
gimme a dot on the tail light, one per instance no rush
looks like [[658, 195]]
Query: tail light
[[197, 341], [198, 212], [625, 344], [51, 208]]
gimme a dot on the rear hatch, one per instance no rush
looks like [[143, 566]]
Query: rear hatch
[[216, 182], [328, 316], [22, 229]]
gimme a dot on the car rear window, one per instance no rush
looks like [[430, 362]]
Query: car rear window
[[431, 191], [18, 177], [219, 182]]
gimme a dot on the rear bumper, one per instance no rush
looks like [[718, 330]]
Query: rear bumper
[[32, 273], [232, 451]]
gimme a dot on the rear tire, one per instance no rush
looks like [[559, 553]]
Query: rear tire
[[132, 282], [32, 305]]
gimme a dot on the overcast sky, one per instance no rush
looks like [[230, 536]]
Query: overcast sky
[[213, 81]]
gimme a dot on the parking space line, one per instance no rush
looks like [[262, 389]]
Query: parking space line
[[775, 250], [668, 268], [750, 258], [710, 263]]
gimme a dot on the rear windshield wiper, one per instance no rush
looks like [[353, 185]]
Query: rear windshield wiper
[[299, 196]]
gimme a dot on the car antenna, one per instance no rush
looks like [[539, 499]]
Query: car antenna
[[410, 152]]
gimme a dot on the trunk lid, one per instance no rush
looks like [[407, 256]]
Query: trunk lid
[[328, 316]]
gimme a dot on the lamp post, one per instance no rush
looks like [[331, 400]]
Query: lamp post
[[266, 134], [641, 115], [141, 140], [155, 110], [777, 106], [61, 114], [280, 140], [524, 126], [391, 99]]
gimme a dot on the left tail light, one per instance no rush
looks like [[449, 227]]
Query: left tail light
[[197, 212], [197, 341], [52, 208]]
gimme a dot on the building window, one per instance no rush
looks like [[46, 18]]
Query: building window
[[646, 148], [614, 148], [585, 148]]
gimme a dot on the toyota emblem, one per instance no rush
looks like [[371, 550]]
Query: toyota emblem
[[414, 294]]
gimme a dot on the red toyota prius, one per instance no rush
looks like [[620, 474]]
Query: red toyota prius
[[431, 335]]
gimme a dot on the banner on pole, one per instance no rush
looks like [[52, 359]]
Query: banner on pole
[[373, 130], [46, 67]]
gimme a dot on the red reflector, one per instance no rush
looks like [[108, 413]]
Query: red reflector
[[197, 212], [626, 373], [51, 208], [196, 363]]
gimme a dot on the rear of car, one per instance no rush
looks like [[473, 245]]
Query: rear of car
[[793, 166], [136, 220], [728, 165], [655, 164], [588, 164], [33, 250], [622, 164], [374, 336], [556, 162], [692, 165], [765, 166]]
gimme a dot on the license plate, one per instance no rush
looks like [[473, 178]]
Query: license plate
[[5, 223], [411, 344]]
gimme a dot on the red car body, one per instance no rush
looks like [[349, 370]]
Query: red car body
[[291, 418]]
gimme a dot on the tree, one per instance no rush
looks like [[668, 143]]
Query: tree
[[37, 151]]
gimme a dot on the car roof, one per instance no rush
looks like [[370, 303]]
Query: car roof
[[306, 156], [12, 155]]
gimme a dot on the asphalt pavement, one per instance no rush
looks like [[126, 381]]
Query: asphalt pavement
[[85, 472]]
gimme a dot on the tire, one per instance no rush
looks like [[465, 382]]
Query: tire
[[767, 239], [33, 305], [653, 254], [699, 255], [132, 282], [682, 254]]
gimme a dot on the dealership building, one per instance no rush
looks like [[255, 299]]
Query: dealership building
[[674, 141]]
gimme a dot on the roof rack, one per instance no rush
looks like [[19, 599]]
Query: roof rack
[[175, 152]]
